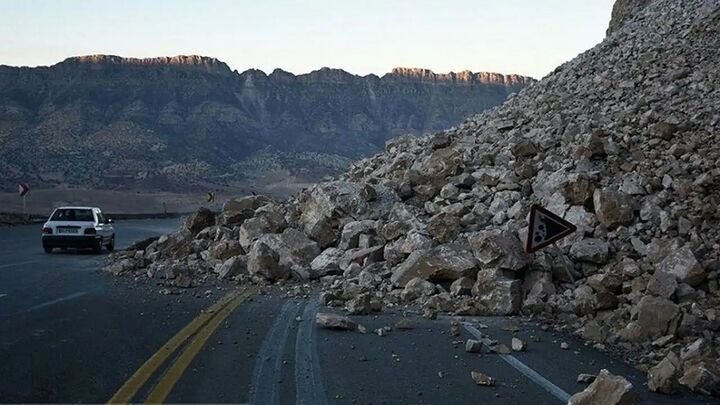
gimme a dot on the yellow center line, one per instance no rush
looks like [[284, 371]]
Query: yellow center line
[[125, 394], [171, 377]]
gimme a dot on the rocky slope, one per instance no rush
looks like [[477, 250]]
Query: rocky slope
[[166, 123], [621, 141]]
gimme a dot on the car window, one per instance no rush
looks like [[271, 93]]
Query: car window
[[100, 218], [72, 214]]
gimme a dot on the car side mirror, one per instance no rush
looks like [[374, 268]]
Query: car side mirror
[[109, 221]]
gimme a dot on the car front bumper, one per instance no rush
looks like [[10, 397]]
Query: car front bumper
[[79, 241]]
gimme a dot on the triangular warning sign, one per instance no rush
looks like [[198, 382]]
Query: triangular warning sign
[[545, 228]]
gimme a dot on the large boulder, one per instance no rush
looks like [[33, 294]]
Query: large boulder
[[662, 284], [664, 376], [417, 288], [537, 288], [237, 210], [578, 190], [436, 167], [326, 263], [362, 257], [326, 203], [254, 228], [501, 250], [682, 264], [295, 251], [199, 220], [224, 250], [351, 232], [496, 294], [607, 389], [232, 267], [548, 183], [401, 220], [296, 246], [359, 305], [590, 250], [265, 262], [443, 227], [462, 286], [329, 204], [702, 376], [444, 262], [653, 317], [613, 208], [175, 246], [415, 240]]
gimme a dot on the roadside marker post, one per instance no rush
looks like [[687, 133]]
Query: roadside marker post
[[23, 190], [545, 228]]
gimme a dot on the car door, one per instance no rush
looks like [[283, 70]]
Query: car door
[[101, 226], [108, 228]]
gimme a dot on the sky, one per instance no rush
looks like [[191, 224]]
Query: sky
[[528, 37]]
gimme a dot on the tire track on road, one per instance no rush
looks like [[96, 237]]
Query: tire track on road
[[309, 388], [268, 365]]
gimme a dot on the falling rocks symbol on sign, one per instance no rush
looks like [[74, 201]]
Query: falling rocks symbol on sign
[[545, 228]]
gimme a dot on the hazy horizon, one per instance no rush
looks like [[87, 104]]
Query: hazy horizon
[[515, 37]]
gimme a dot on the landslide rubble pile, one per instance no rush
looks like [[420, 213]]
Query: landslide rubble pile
[[621, 141]]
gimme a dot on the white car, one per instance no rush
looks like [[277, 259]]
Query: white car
[[79, 228]]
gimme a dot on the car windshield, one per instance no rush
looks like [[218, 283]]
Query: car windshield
[[72, 214]]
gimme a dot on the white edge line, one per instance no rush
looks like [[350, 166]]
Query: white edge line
[[518, 365], [2, 266], [57, 301]]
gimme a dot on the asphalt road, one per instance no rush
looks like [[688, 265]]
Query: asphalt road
[[70, 333]]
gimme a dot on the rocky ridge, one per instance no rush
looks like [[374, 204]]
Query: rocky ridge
[[464, 76], [187, 62], [621, 141], [171, 123]]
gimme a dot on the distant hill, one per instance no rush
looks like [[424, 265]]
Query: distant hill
[[172, 123]]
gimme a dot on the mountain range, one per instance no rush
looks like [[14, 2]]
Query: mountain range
[[172, 123]]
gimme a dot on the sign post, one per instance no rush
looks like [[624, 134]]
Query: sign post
[[545, 228], [23, 190]]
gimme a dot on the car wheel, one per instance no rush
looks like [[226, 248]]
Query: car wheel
[[111, 246], [47, 249]]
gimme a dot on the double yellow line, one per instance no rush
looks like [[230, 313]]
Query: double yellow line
[[203, 327]]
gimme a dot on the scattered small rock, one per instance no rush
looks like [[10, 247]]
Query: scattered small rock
[[473, 346], [518, 345], [454, 329], [586, 378], [333, 321], [481, 378], [607, 389], [404, 324]]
